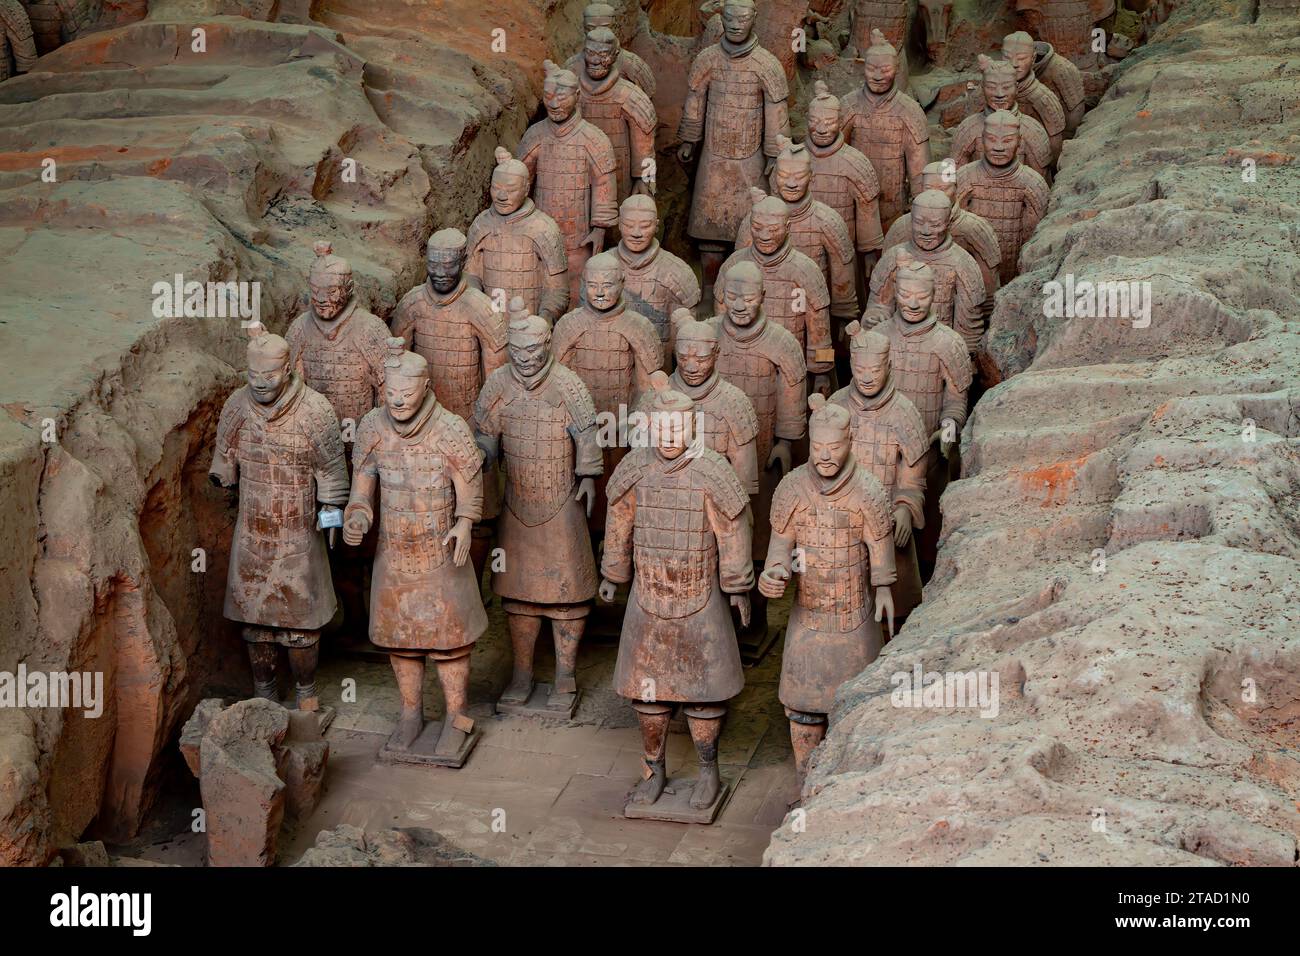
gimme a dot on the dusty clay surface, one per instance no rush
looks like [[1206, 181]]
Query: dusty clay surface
[[1149, 712]]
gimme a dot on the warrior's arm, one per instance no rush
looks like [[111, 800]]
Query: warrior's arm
[[844, 292], [880, 299], [780, 552], [331, 465], [554, 301], [691, 127], [791, 406], [954, 402], [909, 489], [968, 314], [918, 157], [589, 460], [604, 189], [744, 461], [866, 209], [776, 122], [469, 491], [487, 426], [877, 535], [734, 537], [620, 520], [224, 470], [821, 353], [365, 481]]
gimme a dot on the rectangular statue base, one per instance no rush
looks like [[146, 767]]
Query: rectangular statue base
[[536, 705], [674, 804], [424, 752], [324, 716], [754, 647]]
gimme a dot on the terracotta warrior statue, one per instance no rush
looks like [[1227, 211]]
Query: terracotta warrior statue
[[538, 416], [1066, 24], [815, 229], [724, 415], [655, 282], [959, 285], [794, 293], [836, 516], [279, 442], [17, 47], [889, 18], [574, 172], [933, 370], [1063, 78], [515, 249], [420, 459], [999, 87], [629, 65], [890, 441], [56, 22], [845, 180], [1033, 98], [679, 530], [1006, 192], [889, 127], [453, 326], [621, 110], [973, 233], [736, 103], [766, 362], [612, 349]]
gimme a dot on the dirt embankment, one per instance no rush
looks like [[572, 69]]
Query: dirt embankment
[[1123, 552]]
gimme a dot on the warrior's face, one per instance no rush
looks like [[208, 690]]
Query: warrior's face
[[1001, 142], [769, 230], [743, 300], [329, 295], [444, 267], [509, 190], [929, 226], [696, 359], [870, 370], [880, 70], [561, 100], [1022, 58], [914, 296], [404, 394], [604, 288], [738, 21], [792, 175], [823, 125], [599, 58], [638, 228], [528, 353], [670, 431], [268, 375], [1000, 91], [829, 447]]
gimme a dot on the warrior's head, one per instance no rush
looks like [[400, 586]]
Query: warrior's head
[[268, 364], [742, 293], [792, 172], [599, 52], [638, 222], [602, 281], [672, 416], [559, 92], [830, 436], [406, 381], [510, 182], [769, 221], [597, 15], [528, 340], [696, 347], [1018, 48], [913, 288], [1001, 138], [942, 177], [329, 282], [881, 64], [823, 115], [999, 83], [444, 259], [738, 18], [931, 216], [869, 359]]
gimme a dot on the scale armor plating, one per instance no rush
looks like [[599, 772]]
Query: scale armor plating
[[846, 181], [523, 255], [922, 363], [1013, 205]]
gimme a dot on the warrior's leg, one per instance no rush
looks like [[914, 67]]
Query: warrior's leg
[[653, 718], [806, 732], [408, 668], [262, 654], [705, 721], [304, 656], [568, 633], [453, 675], [524, 629]]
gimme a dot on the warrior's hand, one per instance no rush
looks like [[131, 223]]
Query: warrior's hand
[[741, 603], [885, 610], [902, 526], [460, 533], [587, 489], [355, 528], [595, 239], [780, 455], [608, 590], [685, 153], [822, 385], [771, 583]]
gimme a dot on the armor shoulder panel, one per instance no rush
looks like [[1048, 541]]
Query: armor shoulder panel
[[1048, 108], [862, 173], [785, 351], [231, 422], [1036, 140], [841, 396], [810, 279], [369, 431], [316, 410], [599, 149], [909, 428], [702, 66], [531, 139], [899, 232], [834, 229], [721, 483], [1064, 77], [638, 71], [913, 117], [739, 410], [642, 335], [979, 232], [478, 230], [627, 473], [968, 272], [771, 74], [576, 397], [967, 131], [951, 349], [487, 321], [568, 328], [492, 391], [547, 239], [786, 498], [459, 442], [874, 502], [638, 107], [1037, 186], [679, 277]]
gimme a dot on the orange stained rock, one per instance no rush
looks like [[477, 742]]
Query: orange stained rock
[[1058, 479]]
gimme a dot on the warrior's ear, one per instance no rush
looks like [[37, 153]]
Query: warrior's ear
[[756, 195], [853, 328], [816, 401], [322, 247], [659, 380]]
